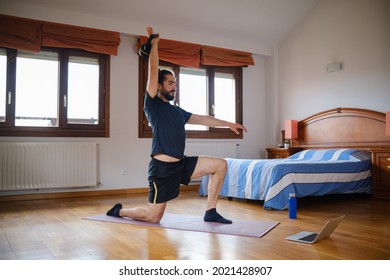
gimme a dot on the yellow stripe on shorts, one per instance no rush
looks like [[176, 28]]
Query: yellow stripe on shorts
[[155, 193]]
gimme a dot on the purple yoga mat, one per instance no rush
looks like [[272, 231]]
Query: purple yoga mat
[[249, 228]]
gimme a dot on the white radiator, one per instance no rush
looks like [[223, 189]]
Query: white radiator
[[47, 165], [224, 150]]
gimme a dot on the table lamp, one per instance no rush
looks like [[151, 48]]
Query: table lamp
[[291, 131]]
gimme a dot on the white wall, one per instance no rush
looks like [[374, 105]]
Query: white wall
[[123, 149], [353, 32]]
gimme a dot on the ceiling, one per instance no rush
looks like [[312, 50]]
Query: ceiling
[[258, 22]]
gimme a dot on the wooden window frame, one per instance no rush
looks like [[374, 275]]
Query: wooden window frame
[[64, 129], [144, 130]]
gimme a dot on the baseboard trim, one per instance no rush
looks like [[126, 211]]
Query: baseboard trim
[[82, 194]]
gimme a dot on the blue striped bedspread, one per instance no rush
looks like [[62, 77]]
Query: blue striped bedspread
[[307, 173]]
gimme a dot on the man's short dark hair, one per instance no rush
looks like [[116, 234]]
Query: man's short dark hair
[[162, 75]]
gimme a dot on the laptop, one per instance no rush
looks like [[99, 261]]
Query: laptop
[[313, 237]]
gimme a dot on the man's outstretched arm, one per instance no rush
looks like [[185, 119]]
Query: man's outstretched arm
[[214, 122]]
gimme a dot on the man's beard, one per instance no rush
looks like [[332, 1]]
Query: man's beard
[[167, 95]]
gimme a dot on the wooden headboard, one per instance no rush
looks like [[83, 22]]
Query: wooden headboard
[[343, 127]]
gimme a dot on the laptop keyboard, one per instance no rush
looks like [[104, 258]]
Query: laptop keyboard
[[309, 237]]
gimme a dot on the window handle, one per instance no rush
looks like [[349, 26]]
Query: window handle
[[9, 98], [64, 101]]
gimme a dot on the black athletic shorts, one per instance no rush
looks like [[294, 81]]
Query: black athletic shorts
[[165, 178]]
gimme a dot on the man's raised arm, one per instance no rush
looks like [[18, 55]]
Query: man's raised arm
[[152, 85]]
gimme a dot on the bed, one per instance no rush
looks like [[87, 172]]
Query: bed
[[335, 159]]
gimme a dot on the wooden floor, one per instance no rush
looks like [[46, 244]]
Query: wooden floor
[[54, 229]]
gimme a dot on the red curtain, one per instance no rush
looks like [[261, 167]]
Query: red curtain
[[224, 57], [20, 33], [30, 35], [180, 53], [89, 39], [194, 55]]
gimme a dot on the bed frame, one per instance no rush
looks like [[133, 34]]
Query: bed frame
[[343, 127]]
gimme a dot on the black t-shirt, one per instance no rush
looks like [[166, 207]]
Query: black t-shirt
[[167, 122]]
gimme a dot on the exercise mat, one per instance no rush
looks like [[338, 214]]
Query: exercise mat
[[249, 228]]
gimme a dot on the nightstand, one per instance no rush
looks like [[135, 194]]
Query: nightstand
[[381, 172], [282, 152]]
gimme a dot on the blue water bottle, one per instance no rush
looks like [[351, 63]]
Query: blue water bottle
[[292, 206]]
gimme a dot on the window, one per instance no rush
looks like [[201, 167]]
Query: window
[[36, 98], [56, 92], [193, 86], [83, 90], [209, 90], [3, 83]]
